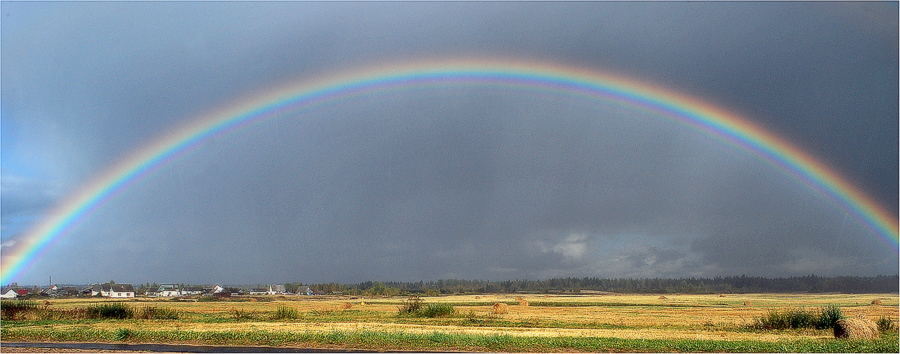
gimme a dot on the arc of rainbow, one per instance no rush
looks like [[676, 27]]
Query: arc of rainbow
[[549, 77]]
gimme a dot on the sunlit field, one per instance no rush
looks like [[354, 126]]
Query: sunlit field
[[587, 322]]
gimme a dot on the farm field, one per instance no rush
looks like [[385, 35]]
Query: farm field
[[547, 323]]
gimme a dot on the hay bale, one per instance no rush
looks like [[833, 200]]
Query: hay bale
[[661, 297], [500, 308], [876, 302], [721, 295], [523, 302], [747, 303], [253, 299], [519, 299], [855, 328], [478, 298], [546, 295], [346, 306]]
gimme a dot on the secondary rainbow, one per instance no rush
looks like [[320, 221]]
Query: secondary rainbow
[[551, 78]]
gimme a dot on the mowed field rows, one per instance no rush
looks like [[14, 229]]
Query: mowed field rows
[[713, 317]]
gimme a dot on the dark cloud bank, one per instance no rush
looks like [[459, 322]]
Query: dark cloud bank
[[475, 183]]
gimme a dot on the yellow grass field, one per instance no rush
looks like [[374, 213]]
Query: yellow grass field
[[700, 317]]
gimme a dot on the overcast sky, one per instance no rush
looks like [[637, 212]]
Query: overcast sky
[[466, 182]]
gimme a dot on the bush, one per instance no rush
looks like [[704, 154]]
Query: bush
[[156, 313], [286, 313], [414, 307], [885, 324], [12, 310], [438, 310], [123, 334], [829, 316], [411, 306], [111, 310], [800, 318]]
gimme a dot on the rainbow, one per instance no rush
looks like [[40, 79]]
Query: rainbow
[[552, 78]]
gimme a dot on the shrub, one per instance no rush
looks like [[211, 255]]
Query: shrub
[[829, 316], [12, 310], [156, 313], [414, 307], [110, 310], [800, 318], [240, 314], [885, 324], [411, 306], [286, 313], [438, 310], [123, 334]]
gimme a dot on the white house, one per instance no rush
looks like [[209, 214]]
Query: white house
[[192, 290], [9, 294], [168, 290], [117, 290]]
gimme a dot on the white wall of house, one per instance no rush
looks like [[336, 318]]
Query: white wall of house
[[170, 293]]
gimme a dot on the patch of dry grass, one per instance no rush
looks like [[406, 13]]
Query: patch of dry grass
[[608, 315]]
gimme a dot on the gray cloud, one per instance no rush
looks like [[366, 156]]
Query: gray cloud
[[468, 182]]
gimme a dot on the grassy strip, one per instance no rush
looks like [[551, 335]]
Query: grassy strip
[[570, 304], [444, 342]]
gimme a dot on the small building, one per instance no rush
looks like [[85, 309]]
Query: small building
[[67, 291], [9, 293], [259, 291], [117, 290], [168, 290], [304, 290], [192, 290]]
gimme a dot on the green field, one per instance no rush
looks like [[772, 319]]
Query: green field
[[533, 323]]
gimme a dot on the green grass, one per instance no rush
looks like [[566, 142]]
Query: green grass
[[378, 340], [799, 318], [286, 313], [415, 307]]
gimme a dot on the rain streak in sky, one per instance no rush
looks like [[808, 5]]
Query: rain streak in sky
[[445, 180]]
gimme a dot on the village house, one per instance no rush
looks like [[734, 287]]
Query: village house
[[168, 290], [304, 290], [67, 291], [192, 290], [9, 293], [117, 290], [111, 290]]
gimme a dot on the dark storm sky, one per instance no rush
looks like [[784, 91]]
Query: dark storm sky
[[469, 182]]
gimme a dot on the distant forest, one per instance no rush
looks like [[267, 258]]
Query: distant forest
[[717, 285]]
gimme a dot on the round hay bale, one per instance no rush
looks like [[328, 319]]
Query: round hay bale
[[478, 298], [721, 295], [519, 298], [253, 299], [500, 308], [346, 306], [546, 295], [661, 297], [747, 303], [523, 302], [855, 328], [876, 302], [46, 302]]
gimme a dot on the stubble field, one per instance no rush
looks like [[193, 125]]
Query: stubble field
[[549, 323]]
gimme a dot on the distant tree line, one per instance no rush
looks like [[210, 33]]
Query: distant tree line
[[720, 285]]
